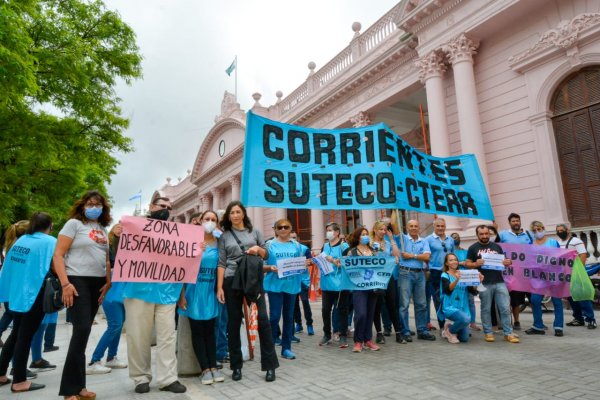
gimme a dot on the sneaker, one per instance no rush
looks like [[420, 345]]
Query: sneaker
[[288, 355], [96, 369], [310, 330], [51, 348], [425, 336], [42, 365], [295, 339], [28, 373], [511, 339], [407, 338], [336, 336], [357, 347], [591, 325], [372, 346], [380, 339], [576, 322], [400, 339], [534, 331], [489, 337], [452, 338], [174, 387], [299, 328], [343, 342], [115, 363], [558, 332], [475, 327], [207, 378], [278, 341], [517, 326], [142, 388], [387, 332], [218, 376], [325, 341], [430, 327], [445, 331]]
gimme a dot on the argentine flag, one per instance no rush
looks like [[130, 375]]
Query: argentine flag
[[137, 196]]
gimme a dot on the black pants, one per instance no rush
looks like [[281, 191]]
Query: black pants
[[389, 301], [204, 342], [341, 299], [19, 341], [303, 296], [82, 314], [234, 301]]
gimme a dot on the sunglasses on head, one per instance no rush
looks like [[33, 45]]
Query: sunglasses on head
[[444, 247], [283, 227]]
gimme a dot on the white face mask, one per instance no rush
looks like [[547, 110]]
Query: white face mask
[[539, 235], [209, 226], [329, 235]]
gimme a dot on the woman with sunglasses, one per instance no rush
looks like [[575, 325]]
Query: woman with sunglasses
[[384, 243], [283, 291], [198, 302], [238, 227], [541, 239]]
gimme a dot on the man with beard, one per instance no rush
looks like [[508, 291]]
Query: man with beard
[[493, 285], [150, 305], [519, 236]]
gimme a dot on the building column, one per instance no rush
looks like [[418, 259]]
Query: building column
[[431, 72], [367, 217], [235, 187], [216, 197], [281, 213], [318, 229], [460, 53], [258, 220], [205, 202]]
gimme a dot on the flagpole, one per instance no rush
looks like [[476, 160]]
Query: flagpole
[[236, 68]]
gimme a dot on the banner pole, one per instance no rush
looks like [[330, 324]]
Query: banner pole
[[400, 225]]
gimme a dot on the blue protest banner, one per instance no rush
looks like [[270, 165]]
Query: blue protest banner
[[288, 166], [366, 273]]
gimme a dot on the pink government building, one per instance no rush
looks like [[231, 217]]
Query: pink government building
[[515, 82]]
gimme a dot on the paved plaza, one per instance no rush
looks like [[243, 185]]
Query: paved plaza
[[540, 367]]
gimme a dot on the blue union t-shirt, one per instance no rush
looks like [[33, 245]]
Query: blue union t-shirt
[[332, 281], [280, 251], [200, 296]]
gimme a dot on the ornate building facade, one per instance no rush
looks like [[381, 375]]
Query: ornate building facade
[[515, 82]]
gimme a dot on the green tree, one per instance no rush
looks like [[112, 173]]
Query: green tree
[[60, 122]]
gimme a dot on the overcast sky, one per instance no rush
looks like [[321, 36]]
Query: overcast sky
[[188, 44]]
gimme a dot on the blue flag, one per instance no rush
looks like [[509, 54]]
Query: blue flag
[[366, 273], [136, 196], [371, 167], [232, 67]]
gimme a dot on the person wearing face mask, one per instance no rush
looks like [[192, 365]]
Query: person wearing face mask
[[461, 255], [330, 285], [149, 305], [199, 303], [583, 311], [82, 263], [541, 239], [515, 235], [363, 300]]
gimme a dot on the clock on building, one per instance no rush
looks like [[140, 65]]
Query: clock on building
[[222, 148]]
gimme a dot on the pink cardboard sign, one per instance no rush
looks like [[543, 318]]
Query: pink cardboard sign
[[539, 269], [158, 251]]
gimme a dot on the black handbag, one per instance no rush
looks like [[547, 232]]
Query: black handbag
[[52, 295]]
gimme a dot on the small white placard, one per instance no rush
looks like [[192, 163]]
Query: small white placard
[[291, 266], [493, 261], [324, 266], [469, 277]]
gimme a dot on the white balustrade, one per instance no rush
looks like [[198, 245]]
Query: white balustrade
[[590, 236]]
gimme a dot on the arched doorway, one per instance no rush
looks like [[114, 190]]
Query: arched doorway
[[576, 121]]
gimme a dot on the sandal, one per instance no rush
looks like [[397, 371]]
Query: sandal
[[86, 395], [6, 382]]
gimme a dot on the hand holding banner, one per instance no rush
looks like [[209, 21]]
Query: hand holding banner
[[151, 250]]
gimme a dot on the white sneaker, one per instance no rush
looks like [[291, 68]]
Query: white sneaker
[[115, 363], [96, 369], [452, 338]]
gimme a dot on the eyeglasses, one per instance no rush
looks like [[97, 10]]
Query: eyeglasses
[[164, 206], [283, 227]]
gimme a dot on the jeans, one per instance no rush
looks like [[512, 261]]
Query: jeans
[[460, 325], [234, 299], [36, 342], [204, 342], [432, 291], [331, 298], [364, 311], [115, 316], [83, 311], [221, 332], [536, 305], [472, 307], [582, 310], [499, 293], [19, 341], [303, 296], [282, 304], [412, 284]]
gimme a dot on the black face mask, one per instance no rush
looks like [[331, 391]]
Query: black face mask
[[162, 214], [562, 235]]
